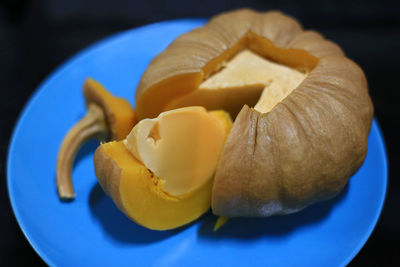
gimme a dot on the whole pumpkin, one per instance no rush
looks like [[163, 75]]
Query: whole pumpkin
[[302, 150]]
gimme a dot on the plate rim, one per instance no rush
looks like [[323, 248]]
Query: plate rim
[[106, 41], [381, 143]]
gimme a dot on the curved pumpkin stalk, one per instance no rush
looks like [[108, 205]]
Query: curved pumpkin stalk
[[93, 125], [108, 118]]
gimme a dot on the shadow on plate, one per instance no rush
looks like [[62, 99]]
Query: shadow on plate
[[118, 226], [86, 150], [276, 226]]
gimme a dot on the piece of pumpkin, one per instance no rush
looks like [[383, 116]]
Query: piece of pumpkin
[[294, 148], [161, 176], [108, 118]]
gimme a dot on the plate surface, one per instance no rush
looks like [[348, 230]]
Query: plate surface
[[91, 231]]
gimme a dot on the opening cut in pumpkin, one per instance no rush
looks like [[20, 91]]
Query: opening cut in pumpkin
[[254, 72], [251, 79]]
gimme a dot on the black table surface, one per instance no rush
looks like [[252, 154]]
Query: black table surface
[[37, 36]]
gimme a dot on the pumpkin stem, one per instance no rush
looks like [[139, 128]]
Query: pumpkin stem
[[93, 125]]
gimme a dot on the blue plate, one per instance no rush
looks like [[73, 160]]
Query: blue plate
[[91, 231]]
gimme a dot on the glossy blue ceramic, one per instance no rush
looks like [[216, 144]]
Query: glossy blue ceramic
[[90, 231]]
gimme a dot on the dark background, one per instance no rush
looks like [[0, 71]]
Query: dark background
[[37, 36]]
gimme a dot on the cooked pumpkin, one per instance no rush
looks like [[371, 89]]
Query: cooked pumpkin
[[293, 142], [161, 176]]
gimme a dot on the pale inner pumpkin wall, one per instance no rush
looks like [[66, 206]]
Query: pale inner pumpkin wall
[[180, 146], [247, 70]]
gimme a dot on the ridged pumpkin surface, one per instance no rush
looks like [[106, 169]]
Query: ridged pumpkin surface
[[301, 151]]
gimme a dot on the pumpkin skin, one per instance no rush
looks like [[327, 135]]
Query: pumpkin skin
[[300, 152]]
